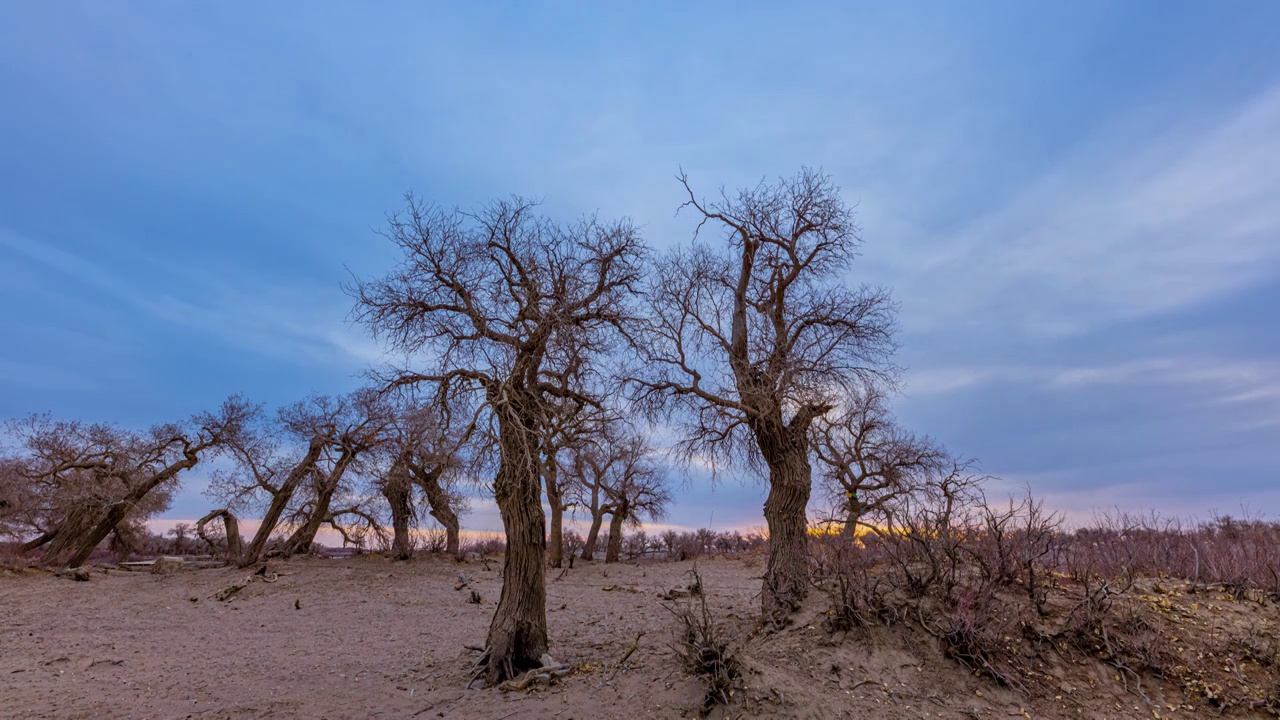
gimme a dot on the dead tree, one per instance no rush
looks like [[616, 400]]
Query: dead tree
[[86, 482], [494, 298], [636, 491], [230, 534], [294, 464], [756, 335], [570, 427], [428, 452], [867, 459], [615, 476], [591, 464]]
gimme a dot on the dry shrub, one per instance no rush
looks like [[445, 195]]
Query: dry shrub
[[701, 647], [977, 630], [1009, 594], [635, 545], [484, 546]]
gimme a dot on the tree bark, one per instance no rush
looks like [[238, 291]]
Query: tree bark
[[235, 546], [593, 535], [853, 511], [556, 502], [399, 496], [69, 531], [279, 501], [518, 632], [117, 512], [439, 505], [786, 579], [614, 551]]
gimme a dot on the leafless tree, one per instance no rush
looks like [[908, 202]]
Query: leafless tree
[[591, 465], [756, 335], [867, 459], [616, 476], [427, 450], [296, 463], [636, 490], [86, 482], [503, 304], [229, 538], [571, 426]]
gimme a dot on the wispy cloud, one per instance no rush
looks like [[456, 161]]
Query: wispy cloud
[[1146, 217], [274, 319]]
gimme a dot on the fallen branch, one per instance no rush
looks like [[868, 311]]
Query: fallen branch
[[542, 675], [230, 591], [617, 667]]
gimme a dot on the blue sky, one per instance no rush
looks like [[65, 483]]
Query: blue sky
[[1077, 204]]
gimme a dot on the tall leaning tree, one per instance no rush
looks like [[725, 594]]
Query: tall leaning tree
[[758, 332], [497, 307]]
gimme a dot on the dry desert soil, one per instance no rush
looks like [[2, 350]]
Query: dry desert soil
[[366, 637]]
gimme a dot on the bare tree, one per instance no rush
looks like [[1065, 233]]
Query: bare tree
[[616, 476], [428, 452], [365, 422], [570, 427], [294, 465], [89, 481], [229, 538], [591, 465], [636, 490], [505, 303], [757, 335], [868, 459]]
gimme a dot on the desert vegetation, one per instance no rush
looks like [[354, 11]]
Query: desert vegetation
[[542, 362]]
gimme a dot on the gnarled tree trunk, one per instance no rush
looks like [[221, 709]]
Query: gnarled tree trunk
[[280, 501], [399, 494], [786, 579], [593, 535], [440, 506], [69, 531], [613, 552], [235, 546], [305, 536], [518, 632]]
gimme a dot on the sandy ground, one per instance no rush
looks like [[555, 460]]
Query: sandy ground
[[371, 638]]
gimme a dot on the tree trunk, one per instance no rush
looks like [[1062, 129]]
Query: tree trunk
[[117, 512], [614, 552], [853, 511], [399, 494], [235, 546], [305, 536], [786, 579], [69, 531], [440, 505], [518, 632], [593, 535], [36, 542], [551, 484], [279, 501]]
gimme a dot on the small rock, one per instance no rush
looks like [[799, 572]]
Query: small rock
[[79, 574], [166, 565]]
